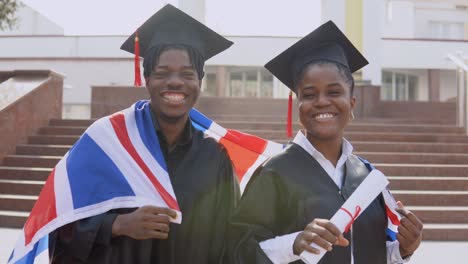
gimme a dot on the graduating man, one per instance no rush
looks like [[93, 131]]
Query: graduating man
[[175, 48]]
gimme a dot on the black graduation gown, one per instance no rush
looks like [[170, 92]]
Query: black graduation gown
[[288, 193], [206, 190]]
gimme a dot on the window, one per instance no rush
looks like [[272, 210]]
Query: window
[[235, 84], [387, 86], [266, 89], [250, 82], [446, 30], [210, 81], [399, 86]]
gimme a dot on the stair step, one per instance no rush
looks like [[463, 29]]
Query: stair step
[[71, 122], [445, 232], [409, 128], [423, 169], [415, 158], [416, 147], [52, 140], [376, 136], [43, 160], [48, 150], [280, 128], [403, 146], [405, 137], [31, 161], [24, 173], [432, 198], [13, 219], [428, 183], [354, 127], [14, 202], [282, 118], [359, 132], [62, 130], [21, 187], [441, 214]]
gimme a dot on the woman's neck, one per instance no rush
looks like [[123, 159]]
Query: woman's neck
[[330, 148]]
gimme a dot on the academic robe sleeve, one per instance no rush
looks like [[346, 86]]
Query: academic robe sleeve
[[228, 196], [263, 213], [76, 240]]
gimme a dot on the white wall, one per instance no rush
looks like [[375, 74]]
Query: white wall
[[252, 51], [372, 40], [407, 19], [195, 8], [440, 12], [334, 10], [80, 75], [399, 19], [30, 22], [98, 60], [247, 51], [62, 46], [419, 54], [448, 84]]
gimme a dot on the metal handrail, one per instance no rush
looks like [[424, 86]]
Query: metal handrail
[[458, 60], [462, 89]]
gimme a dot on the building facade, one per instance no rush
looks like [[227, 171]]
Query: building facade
[[406, 42]]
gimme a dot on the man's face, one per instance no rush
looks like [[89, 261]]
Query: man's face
[[173, 85]]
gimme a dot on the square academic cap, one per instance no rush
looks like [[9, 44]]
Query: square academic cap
[[327, 43], [172, 26]]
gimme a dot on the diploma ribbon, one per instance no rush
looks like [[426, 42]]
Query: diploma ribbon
[[353, 217]]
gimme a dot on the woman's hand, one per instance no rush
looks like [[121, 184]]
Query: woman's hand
[[409, 232], [321, 232]]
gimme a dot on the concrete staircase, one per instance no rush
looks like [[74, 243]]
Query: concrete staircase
[[427, 165]]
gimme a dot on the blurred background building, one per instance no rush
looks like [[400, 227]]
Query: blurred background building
[[406, 42], [411, 108]]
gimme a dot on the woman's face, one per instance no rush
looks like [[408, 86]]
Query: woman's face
[[325, 102]]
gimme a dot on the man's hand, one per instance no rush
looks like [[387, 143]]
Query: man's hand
[[144, 223], [409, 232], [321, 232]]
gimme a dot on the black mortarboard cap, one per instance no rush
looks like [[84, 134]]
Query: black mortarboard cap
[[172, 26], [327, 42]]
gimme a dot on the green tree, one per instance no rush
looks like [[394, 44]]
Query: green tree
[[8, 8]]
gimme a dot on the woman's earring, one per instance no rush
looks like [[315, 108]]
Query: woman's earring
[[352, 115]]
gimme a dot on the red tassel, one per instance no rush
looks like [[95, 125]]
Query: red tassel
[[289, 120], [137, 61]]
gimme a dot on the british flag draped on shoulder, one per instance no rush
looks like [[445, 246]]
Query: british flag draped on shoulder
[[118, 163]]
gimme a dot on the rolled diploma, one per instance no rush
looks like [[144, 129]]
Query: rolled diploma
[[364, 194]]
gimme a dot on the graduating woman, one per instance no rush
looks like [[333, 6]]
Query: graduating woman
[[288, 202]]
